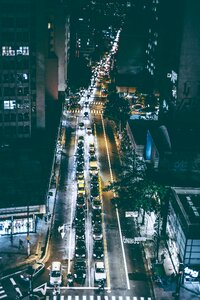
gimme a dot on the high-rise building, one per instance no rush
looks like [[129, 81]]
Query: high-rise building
[[188, 88], [23, 35], [33, 62]]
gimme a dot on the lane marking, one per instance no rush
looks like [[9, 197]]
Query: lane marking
[[134, 298], [2, 292], [117, 213], [76, 297], [18, 291], [13, 281], [4, 296]]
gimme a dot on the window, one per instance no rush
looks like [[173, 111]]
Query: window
[[9, 104]]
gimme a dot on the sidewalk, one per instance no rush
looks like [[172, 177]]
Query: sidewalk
[[12, 256], [166, 267]]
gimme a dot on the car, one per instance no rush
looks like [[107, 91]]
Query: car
[[81, 125], [94, 179], [94, 191], [80, 201], [92, 153], [91, 146], [99, 271], [32, 271], [80, 169], [96, 217], [80, 138], [80, 214], [86, 114], [80, 270], [98, 250], [97, 204], [81, 188], [92, 157], [89, 130], [80, 252], [80, 178], [56, 273], [80, 144], [97, 232], [80, 159], [80, 232], [80, 151]]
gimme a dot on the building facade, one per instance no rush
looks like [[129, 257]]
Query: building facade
[[183, 225]]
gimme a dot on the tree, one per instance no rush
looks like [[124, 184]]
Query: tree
[[134, 189], [117, 109]]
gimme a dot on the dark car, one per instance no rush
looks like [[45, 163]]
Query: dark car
[[80, 251], [80, 144], [94, 179], [32, 271], [98, 249], [96, 217], [80, 271], [96, 204], [80, 232], [80, 169], [81, 125], [97, 232], [86, 114], [94, 192], [80, 201], [80, 151], [80, 213]]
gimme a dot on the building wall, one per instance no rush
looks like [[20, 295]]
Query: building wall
[[22, 64], [189, 69]]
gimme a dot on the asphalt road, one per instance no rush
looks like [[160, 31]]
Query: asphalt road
[[125, 269]]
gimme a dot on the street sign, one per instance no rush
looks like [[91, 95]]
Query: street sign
[[140, 239], [131, 214]]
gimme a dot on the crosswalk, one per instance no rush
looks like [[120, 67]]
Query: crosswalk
[[2, 293], [97, 297], [92, 111]]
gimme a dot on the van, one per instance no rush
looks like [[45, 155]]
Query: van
[[56, 273]]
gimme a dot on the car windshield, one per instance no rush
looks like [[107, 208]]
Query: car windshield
[[55, 274], [100, 270]]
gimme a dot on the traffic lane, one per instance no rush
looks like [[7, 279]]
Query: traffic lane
[[133, 255], [114, 251]]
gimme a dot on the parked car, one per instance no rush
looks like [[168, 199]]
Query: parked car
[[32, 271], [96, 217], [80, 251]]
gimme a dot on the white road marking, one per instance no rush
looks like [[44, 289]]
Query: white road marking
[[120, 298], [134, 298], [18, 291], [76, 297], [69, 297], [117, 213], [84, 297], [2, 291], [141, 298], [3, 296], [13, 281], [113, 297], [127, 298]]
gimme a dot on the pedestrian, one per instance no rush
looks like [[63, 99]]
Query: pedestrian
[[21, 244]]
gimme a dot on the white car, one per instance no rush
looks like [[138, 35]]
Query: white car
[[99, 272], [56, 273]]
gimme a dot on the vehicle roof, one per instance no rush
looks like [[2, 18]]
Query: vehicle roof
[[100, 264]]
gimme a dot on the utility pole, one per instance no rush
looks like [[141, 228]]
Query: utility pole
[[28, 233]]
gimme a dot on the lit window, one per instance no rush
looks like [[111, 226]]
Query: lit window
[[7, 51], [23, 50], [9, 104]]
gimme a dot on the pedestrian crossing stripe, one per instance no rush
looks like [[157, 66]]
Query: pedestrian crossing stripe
[[92, 297]]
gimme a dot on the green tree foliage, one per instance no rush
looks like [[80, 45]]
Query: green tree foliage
[[134, 189], [117, 109]]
